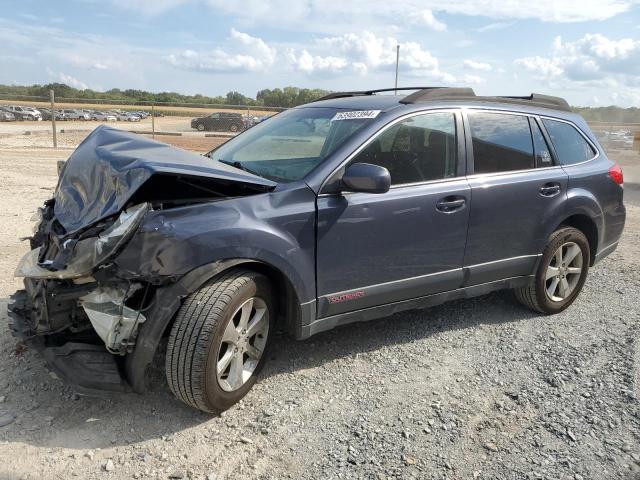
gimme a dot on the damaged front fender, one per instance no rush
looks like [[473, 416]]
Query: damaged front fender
[[84, 255]]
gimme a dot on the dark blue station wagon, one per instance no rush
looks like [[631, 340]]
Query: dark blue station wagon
[[350, 208]]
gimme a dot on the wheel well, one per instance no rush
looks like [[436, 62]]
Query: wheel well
[[287, 303], [588, 228]]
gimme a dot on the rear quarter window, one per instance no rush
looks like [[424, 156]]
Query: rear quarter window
[[570, 146]]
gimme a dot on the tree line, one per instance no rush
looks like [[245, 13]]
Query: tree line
[[286, 97]]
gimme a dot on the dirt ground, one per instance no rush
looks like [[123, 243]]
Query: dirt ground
[[479, 388]]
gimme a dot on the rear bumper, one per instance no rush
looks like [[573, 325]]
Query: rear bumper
[[89, 368]]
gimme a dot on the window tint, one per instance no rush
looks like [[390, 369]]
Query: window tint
[[570, 145], [418, 149], [540, 147], [501, 142]]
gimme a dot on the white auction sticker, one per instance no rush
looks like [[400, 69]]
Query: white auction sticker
[[356, 115]]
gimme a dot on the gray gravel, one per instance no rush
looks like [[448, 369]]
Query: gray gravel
[[479, 388]]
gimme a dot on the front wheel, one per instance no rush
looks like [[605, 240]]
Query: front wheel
[[561, 273], [218, 342]]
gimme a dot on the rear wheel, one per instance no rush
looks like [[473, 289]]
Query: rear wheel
[[218, 342], [200, 127], [561, 273], [233, 127]]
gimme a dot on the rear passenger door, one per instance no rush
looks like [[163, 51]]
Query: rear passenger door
[[516, 190]]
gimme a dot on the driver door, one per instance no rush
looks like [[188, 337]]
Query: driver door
[[374, 249]]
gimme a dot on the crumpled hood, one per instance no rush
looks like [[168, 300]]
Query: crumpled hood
[[110, 165]]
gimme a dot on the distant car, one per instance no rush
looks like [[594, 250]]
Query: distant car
[[25, 113], [46, 114], [74, 114], [620, 139], [127, 117], [104, 116], [219, 121], [9, 117], [141, 113], [6, 116]]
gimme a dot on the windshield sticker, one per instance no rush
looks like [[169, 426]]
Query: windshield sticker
[[357, 115]]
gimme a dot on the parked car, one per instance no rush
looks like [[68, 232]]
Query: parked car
[[621, 139], [127, 117], [6, 116], [46, 114], [351, 208], [25, 113], [76, 114], [104, 116], [219, 121]]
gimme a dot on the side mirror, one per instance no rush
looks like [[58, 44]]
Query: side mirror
[[365, 177]]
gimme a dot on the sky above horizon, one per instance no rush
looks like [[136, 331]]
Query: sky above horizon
[[586, 51]]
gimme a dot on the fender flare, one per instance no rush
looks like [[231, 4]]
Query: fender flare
[[167, 302]]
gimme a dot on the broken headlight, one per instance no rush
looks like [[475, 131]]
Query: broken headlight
[[88, 253]]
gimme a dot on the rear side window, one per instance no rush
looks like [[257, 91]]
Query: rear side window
[[571, 147], [501, 142], [418, 149]]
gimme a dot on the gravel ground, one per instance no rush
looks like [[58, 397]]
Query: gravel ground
[[479, 388]]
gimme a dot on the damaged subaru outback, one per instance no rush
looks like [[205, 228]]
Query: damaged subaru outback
[[353, 207]]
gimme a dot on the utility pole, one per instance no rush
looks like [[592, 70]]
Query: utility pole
[[397, 64], [153, 120], [53, 118]]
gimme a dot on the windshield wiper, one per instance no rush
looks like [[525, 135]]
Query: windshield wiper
[[240, 166]]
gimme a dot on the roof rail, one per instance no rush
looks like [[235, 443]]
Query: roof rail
[[428, 94], [538, 99], [436, 93], [367, 92]]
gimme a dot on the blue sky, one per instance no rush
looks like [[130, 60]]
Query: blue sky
[[587, 51]]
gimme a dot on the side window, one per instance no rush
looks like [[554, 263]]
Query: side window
[[215, 115], [540, 147], [570, 145], [501, 142], [418, 149]]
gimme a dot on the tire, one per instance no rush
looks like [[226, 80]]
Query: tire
[[200, 127], [536, 296], [233, 127], [197, 346]]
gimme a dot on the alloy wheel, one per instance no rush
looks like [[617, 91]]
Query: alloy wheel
[[564, 271], [243, 344]]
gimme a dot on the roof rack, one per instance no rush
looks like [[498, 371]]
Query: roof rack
[[435, 93], [430, 94], [367, 92]]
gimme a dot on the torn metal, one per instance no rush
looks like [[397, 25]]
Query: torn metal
[[113, 321], [81, 257]]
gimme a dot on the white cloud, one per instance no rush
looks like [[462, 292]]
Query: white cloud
[[251, 54], [593, 57], [367, 52], [307, 63], [472, 79], [68, 79], [481, 66], [426, 17], [494, 26], [308, 14]]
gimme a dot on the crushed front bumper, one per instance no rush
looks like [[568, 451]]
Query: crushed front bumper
[[89, 368]]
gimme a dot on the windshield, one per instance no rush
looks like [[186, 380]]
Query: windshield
[[291, 144]]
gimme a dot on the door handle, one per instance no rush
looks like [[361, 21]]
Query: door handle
[[550, 190], [450, 204]]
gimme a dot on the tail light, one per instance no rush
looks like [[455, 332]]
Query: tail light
[[615, 173]]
